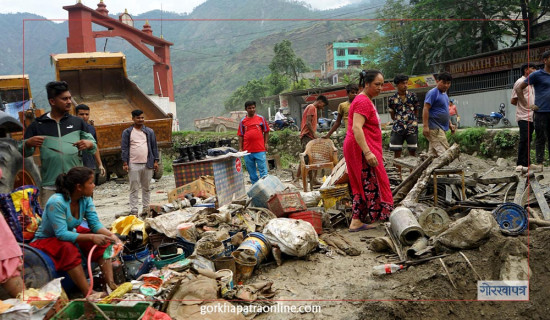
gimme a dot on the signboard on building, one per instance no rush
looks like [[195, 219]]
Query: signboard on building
[[421, 82], [340, 94], [498, 62]]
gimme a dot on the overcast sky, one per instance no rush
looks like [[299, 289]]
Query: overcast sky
[[53, 9]]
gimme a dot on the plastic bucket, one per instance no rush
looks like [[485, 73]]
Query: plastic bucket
[[244, 267], [224, 263], [226, 277], [263, 189], [137, 263], [258, 243], [188, 231]]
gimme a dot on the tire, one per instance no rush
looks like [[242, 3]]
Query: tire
[[506, 122], [99, 180], [221, 128], [16, 170], [157, 175], [294, 128]]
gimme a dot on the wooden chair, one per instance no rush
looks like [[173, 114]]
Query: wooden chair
[[321, 153]]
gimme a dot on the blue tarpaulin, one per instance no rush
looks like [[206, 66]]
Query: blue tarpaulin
[[13, 108]]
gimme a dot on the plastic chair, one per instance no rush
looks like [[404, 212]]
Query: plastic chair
[[321, 153]]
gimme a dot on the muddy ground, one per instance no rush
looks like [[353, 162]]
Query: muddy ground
[[332, 281]]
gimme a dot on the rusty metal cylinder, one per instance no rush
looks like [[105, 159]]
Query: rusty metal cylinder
[[418, 246], [404, 226]]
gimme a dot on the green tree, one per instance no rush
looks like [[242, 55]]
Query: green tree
[[414, 36], [253, 90], [531, 12], [286, 62], [277, 83]]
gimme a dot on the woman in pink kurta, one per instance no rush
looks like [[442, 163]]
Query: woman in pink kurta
[[370, 186]]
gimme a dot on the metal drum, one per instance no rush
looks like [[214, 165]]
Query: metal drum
[[511, 218]]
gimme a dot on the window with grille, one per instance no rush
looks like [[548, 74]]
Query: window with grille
[[341, 63], [340, 52]]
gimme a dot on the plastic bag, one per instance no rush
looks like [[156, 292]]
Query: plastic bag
[[123, 226], [294, 237]]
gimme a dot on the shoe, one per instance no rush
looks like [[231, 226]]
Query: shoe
[[536, 168]]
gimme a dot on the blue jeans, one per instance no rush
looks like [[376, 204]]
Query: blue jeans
[[256, 161], [280, 123]]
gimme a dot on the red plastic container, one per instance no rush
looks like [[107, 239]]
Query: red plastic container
[[282, 204], [313, 217]]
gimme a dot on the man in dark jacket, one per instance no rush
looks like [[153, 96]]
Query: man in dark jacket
[[140, 157], [60, 136]]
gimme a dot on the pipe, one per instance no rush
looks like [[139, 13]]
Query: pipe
[[110, 252], [404, 226], [417, 246], [91, 286]]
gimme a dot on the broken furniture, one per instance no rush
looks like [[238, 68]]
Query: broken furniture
[[447, 172], [320, 154], [226, 170]]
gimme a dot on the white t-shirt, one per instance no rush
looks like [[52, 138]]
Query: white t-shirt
[[279, 116]]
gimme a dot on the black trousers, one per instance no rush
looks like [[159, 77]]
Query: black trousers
[[542, 131], [526, 129]]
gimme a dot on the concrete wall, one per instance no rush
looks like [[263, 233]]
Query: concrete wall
[[347, 56], [484, 102]]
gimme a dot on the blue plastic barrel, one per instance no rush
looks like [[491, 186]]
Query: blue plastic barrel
[[263, 189], [39, 267], [511, 218]]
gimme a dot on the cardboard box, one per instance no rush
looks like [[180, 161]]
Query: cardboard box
[[203, 188]]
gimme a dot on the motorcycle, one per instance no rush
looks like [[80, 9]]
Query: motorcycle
[[287, 123], [493, 119], [324, 124]]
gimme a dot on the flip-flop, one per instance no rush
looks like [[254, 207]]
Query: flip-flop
[[363, 227]]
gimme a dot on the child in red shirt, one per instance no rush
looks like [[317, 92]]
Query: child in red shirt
[[253, 135]]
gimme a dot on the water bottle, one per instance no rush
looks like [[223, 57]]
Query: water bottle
[[387, 268]]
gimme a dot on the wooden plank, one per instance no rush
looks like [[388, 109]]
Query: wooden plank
[[493, 191], [448, 194], [543, 205], [456, 180], [408, 183], [457, 193], [507, 179], [519, 190], [406, 162]]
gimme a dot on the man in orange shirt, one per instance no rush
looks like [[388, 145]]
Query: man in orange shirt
[[309, 127]]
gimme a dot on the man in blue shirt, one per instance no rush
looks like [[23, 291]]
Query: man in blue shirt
[[435, 115], [540, 80]]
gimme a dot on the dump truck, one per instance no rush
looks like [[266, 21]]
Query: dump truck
[[220, 124], [16, 100], [99, 80]]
